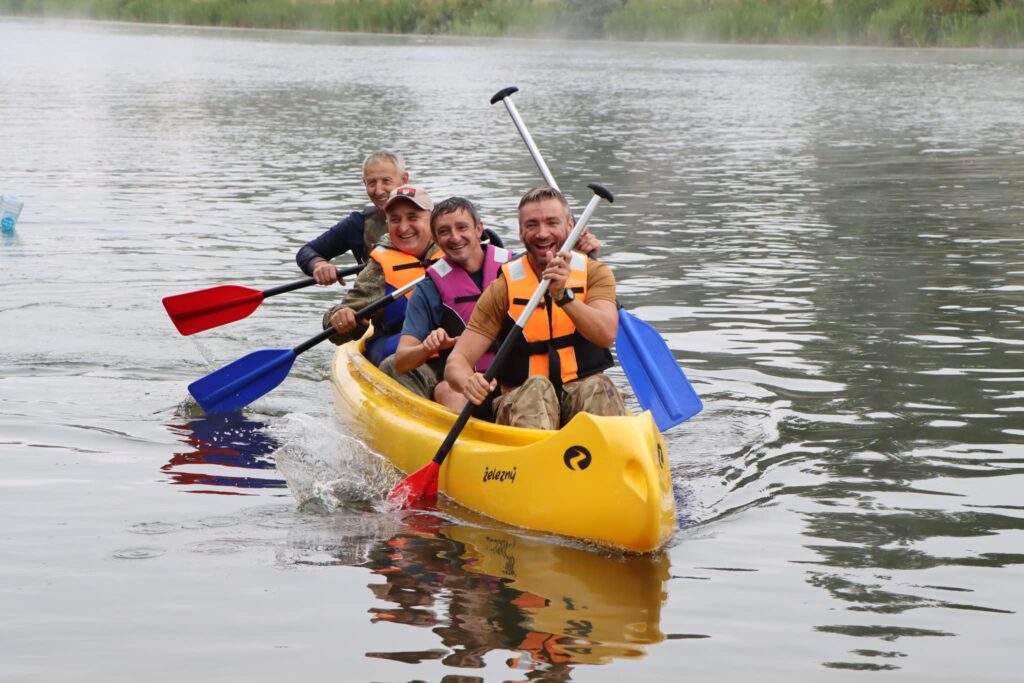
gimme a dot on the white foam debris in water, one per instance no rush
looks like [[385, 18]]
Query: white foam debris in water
[[324, 466]]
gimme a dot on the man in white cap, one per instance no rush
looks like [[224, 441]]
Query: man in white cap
[[399, 258]]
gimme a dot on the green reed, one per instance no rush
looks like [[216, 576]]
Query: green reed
[[957, 23], [377, 16], [988, 23]]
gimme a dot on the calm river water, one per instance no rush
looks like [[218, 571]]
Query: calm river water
[[831, 241]]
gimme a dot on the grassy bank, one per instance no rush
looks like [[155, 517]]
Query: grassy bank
[[958, 23], [954, 23]]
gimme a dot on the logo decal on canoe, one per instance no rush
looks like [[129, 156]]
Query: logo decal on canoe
[[494, 474], [577, 458]]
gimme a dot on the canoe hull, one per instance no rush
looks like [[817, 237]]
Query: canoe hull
[[601, 479]]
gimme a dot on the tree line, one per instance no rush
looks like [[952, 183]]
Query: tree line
[[904, 23]]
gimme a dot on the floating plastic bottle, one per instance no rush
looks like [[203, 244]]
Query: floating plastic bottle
[[10, 209]]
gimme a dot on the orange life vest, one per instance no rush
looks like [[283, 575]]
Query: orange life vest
[[399, 270], [550, 346]]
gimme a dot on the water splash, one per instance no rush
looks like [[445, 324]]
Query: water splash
[[327, 469]]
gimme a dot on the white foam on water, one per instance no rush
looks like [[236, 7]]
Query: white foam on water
[[325, 467]]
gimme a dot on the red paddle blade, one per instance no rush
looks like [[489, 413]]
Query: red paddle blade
[[416, 490], [197, 311]]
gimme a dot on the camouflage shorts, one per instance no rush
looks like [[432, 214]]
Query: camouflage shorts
[[420, 381], [534, 403]]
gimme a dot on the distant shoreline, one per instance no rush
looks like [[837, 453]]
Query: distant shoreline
[[837, 23]]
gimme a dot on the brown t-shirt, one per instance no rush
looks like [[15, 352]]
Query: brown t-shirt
[[492, 307]]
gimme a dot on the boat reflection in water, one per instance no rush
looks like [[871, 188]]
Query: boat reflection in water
[[549, 606], [225, 454]]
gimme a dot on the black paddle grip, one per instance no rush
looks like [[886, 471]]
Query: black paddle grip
[[313, 341], [499, 358], [502, 94], [370, 309], [602, 192]]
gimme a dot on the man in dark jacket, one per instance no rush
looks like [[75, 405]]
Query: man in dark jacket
[[358, 232]]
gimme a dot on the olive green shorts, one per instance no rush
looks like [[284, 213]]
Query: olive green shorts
[[536, 405]]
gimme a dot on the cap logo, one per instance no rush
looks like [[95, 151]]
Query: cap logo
[[405, 192]]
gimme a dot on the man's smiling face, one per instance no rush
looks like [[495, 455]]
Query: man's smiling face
[[543, 227]]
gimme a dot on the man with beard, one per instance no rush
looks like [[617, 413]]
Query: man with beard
[[557, 367]]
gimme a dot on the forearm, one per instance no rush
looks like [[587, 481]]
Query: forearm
[[307, 258], [460, 369], [367, 288], [457, 371], [333, 242], [410, 354], [597, 322]]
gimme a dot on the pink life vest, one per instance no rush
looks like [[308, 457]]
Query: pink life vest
[[459, 293]]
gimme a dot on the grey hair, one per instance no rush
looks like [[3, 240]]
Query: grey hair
[[385, 155]]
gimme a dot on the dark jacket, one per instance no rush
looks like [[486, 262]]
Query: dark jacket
[[348, 234]]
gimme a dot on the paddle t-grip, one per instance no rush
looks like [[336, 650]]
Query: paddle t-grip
[[502, 94], [602, 192]]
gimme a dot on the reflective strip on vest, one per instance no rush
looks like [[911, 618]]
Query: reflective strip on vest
[[459, 292], [516, 270], [399, 270], [441, 268], [522, 283]]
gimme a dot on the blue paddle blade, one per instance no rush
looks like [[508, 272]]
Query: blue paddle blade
[[238, 384], [652, 371]]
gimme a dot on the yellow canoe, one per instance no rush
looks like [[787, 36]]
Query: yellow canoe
[[603, 480]]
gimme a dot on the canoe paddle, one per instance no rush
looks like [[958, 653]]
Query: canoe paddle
[[238, 384], [207, 308], [659, 383], [420, 487], [657, 380]]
